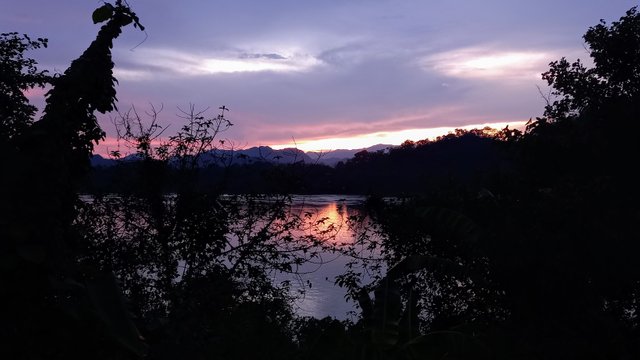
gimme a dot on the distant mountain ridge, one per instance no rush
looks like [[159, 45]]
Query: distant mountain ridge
[[333, 157], [258, 154]]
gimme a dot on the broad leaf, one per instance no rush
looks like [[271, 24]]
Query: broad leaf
[[103, 13]]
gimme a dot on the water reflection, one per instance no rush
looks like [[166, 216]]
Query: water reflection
[[328, 219], [329, 215]]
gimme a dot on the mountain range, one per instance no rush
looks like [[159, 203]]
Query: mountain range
[[261, 154]]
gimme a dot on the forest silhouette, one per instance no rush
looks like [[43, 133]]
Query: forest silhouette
[[505, 244]]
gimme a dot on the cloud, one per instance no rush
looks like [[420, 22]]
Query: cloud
[[271, 56], [347, 55], [158, 62], [122, 73], [487, 63], [217, 65], [400, 125]]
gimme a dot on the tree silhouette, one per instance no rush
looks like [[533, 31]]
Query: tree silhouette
[[590, 126], [18, 74], [551, 270], [53, 307]]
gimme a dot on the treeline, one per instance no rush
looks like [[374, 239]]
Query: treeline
[[466, 158]]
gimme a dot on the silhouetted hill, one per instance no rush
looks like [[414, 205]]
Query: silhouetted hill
[[333, 157], [261, 154], [465, 159], [99, 161]]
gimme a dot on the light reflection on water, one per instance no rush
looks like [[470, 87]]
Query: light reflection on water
[[324, 298], [330, 213]]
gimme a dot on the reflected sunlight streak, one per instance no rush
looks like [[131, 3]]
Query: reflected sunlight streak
[[333, 219]]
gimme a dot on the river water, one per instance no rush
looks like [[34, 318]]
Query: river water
[[325, 298], [322, 297]]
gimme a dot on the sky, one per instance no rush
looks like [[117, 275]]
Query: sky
[[328, 74]]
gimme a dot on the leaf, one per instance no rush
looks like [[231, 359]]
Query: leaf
[[418, 262], [31, 252], [450, 223], [126, 21], [108, 303], [103, 13], [365, 303], [8, 262], [386, 315], [444, 344]]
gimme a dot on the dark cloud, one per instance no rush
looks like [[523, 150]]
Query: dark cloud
[[271, 56]]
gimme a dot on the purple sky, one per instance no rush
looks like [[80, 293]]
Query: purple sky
[[356, 72]]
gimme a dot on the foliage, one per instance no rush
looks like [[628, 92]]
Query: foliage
[[53, 306], [546, 270], [86, 86], [464, 159], [614, 77], [196, 259], [589, 128], [519, 245], [392, 329], [438, 262], [18, 75]]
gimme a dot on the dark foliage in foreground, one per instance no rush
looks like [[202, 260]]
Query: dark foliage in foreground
[[52, 306], [517, 245], [543, 263]]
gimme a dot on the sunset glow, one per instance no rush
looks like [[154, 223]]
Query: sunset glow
[[386, 137]]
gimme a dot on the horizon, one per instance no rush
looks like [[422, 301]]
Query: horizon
[[315, 146]]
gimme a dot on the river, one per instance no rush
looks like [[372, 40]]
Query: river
[[324, 298], [321, 296]]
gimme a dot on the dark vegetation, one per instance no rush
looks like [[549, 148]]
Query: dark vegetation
[[463, 158], [511, 245]]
